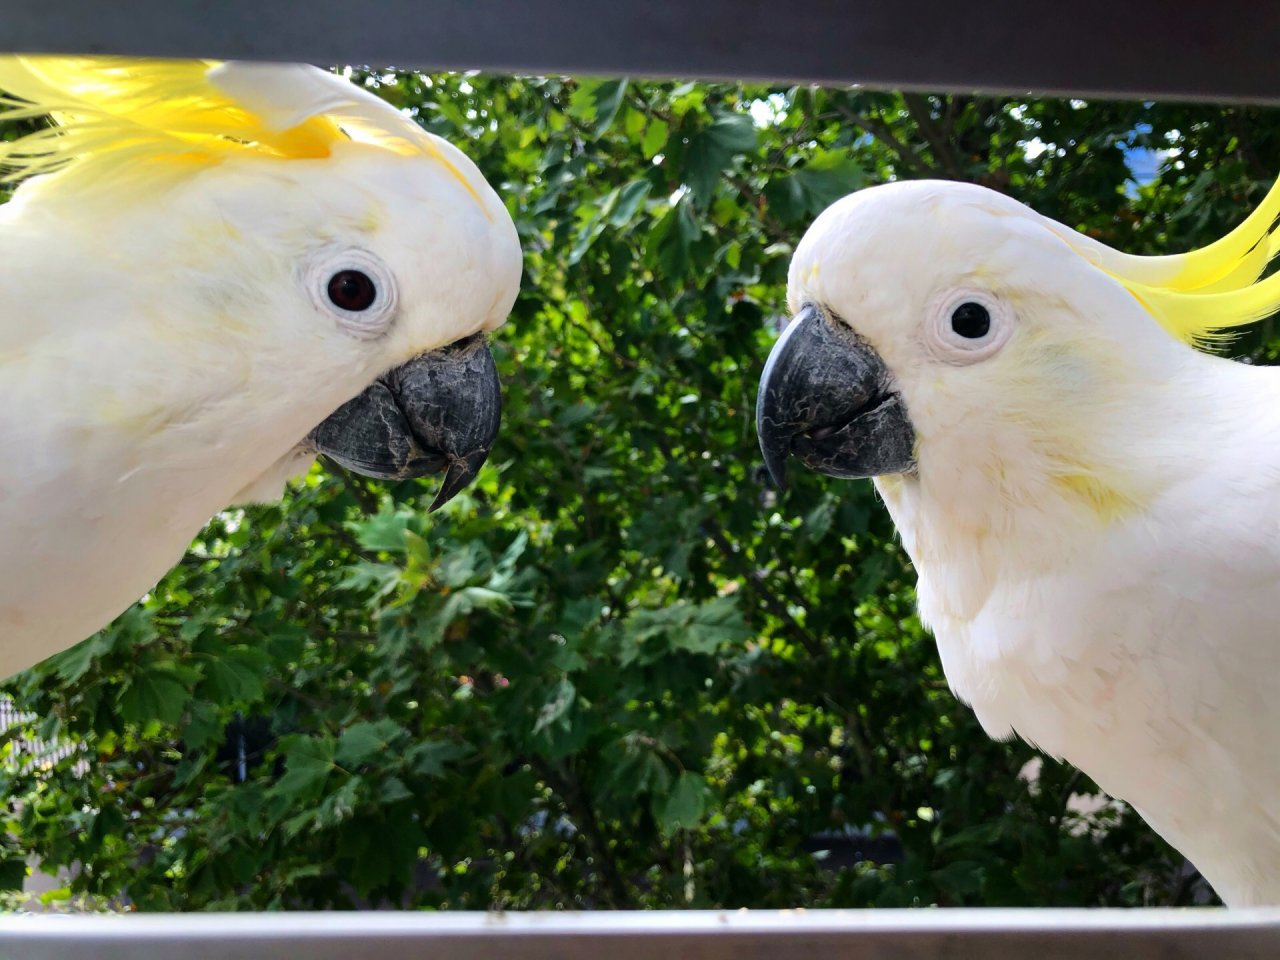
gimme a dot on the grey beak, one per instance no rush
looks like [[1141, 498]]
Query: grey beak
[[437, 413], [827, 398]]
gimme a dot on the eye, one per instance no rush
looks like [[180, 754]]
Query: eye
[[970, 320], [352, 290], [967, 325], [352, 287]]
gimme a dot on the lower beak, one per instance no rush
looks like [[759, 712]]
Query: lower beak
[[439, 412], [827, 398]]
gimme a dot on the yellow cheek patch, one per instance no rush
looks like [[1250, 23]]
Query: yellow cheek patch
[[890, 485], [1106, 502], [369, 223]]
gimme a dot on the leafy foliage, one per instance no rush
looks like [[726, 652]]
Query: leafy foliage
[[623, 671]]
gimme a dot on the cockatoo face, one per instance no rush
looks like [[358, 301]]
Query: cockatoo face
[[370, 265], [277, 263], [946, 327]]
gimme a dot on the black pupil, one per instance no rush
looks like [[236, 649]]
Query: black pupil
[[971, 320], [352, 290]]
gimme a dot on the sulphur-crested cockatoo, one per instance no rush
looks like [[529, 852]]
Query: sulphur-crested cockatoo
[[1092, 505], [212, 273]]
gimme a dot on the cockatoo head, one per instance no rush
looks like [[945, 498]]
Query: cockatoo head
[[948, 334], [305, 264]]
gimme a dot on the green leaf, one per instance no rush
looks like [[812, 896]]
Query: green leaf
[[630, 198], [308, 763], [385, 530], [203, 726], [685, 806], [363, 741], [463, 603], [597, 101], [393, 790], [712, 150], [829, 176], [339, 805], [196, 624], [428, 759], [629, 769], [818, 520], [578, 614], [655, 138], [695, 628], [236, 674], [154, 694], [74, 663], [963, 876], [379, 578], [608, 97], [589, 233], [672, 237]]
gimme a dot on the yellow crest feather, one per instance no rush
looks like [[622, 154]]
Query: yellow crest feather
[[114, 113], [1200, 295], [121, 116]]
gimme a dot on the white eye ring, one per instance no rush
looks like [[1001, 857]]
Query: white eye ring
[[956, 315], [367, 323]]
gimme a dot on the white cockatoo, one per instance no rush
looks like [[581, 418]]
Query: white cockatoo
[[1091, 504], [211, 273]]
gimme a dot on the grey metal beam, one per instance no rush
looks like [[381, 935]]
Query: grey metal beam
[[1168, 49], [693, 935]]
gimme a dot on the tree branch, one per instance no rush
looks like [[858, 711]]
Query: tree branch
[[584, 816], [753, 197], [881, 131], [757, 584], [939, 142]]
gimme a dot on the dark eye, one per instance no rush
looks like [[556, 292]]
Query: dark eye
[[352, 290], [971, 320]]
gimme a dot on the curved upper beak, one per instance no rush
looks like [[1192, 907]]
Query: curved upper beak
[[827, 398], [439, 412]]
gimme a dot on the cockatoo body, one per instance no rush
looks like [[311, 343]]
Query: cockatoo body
[[210, 274], [1092, 504]]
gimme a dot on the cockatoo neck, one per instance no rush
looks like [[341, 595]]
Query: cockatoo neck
[[1011, 495]]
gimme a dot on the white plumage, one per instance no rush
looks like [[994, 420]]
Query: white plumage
[[165, 341], [1094, 513]]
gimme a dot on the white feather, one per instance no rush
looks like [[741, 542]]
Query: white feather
[[1095, 520], [164, 357]]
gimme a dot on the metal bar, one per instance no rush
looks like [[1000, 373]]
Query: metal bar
[[657, 935], [1135, 49]]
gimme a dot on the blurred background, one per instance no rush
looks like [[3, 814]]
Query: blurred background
[[623, 670]]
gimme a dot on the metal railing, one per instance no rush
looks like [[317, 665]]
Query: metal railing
[[1136, 49], [1192, 934]]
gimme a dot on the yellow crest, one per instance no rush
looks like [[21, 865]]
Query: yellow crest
[[123, 117], [1200, 295]]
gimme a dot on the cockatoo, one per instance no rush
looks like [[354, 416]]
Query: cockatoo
[[213, 272], [1091, 504]]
